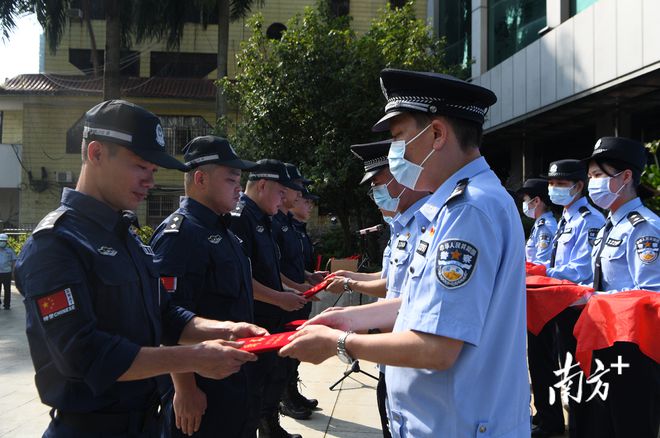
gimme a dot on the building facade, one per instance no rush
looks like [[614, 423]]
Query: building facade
[[566, 72], [41, 114]]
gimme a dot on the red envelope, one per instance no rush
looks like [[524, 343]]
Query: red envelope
[[534, 269], [319, 287], [264, 344], [294, 324]]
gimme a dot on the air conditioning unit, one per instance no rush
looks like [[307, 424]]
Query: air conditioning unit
[[64, 176]]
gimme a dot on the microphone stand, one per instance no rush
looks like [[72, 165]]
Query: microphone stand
[[355, 365]]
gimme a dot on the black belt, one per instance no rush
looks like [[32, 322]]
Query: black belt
[[110, 422]]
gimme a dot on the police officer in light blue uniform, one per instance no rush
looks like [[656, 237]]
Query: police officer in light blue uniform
[[536, 204], [211, 276], [578, 226], [455, 359], [403, 232], [7, 262], [96, 314], [625, 256]]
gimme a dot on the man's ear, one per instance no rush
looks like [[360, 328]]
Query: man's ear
[[440, 130], [199, 177], [95, 151]]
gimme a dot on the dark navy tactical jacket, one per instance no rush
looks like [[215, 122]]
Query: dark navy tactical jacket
[[92, 300], [254, 228], [308, 246], [292, 261], [212, 271]]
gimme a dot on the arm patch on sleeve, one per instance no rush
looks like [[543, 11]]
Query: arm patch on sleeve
[[455, 262], [56, 304]]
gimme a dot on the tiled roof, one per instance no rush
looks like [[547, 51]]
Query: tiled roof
[[50, 84]]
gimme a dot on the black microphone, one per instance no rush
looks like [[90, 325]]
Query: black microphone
[[375, 229]]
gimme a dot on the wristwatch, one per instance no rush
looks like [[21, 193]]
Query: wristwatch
[[341, 348], [347, 287]]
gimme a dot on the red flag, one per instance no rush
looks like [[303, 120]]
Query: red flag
[[547, 297], [56, 304], [169, 283], [630, 316], [534, 269]]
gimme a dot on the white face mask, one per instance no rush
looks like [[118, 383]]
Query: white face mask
[[405, 172], [600, 193], [529, 212], [561, 195]]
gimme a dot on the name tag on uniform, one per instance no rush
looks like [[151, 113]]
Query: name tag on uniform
[[422, 248], [567, 231], [613, 242], [401, 244]]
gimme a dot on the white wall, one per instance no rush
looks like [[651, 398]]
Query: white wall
[[608, 41]]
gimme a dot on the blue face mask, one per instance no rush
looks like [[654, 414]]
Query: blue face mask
[[382, 198], [405, 172], [600, 193], [561, 195], [388, 219], [529, 212]]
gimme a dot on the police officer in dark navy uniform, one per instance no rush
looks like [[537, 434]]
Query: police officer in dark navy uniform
[[253, 224], [209, 274], [94, 308], [301, 213], [294, 274]]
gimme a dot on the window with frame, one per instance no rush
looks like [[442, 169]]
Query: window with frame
[[160, 206], [455, 24], [179, 130], [512, 26]]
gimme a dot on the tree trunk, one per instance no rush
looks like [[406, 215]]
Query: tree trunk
[[111, 77], [223, 52], [92, 39]]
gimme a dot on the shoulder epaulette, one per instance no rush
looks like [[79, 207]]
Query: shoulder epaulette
[[459, 191], [635, 218], [49, 221], [174, 224], [584, 211]]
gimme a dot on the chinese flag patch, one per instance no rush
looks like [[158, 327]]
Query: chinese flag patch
[[56, 304], [169, 283]]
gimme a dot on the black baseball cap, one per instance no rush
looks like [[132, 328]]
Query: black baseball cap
[[273, 170], [374, 157], [432, 94], [210, 149], [130, 126], [295, 175], [306, 194]]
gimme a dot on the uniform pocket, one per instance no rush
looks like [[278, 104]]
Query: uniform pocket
[[227, 276]]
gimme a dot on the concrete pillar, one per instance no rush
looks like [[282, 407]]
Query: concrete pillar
[[479, 37]]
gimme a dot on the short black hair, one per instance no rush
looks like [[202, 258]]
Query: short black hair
[[468, 132], [619, 166]]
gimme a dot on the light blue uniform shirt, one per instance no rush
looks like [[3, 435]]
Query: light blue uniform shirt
[[7, 257], [466, 281], [404, 239], [386, 253], [539, 244], [575, 243], [630, 257]]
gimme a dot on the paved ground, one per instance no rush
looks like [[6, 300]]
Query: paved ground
[[348, 412]]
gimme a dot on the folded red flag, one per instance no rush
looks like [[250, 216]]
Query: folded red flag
[[294, 324], [630, 316], [534, 269], [319, 287], [547, 297], [264, 344]]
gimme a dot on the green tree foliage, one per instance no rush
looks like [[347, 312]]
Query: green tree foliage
[[307, 97], [651, 176]]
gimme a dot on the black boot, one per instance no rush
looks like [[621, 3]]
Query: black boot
[[290, 409], [291, 391], [269, 427]]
